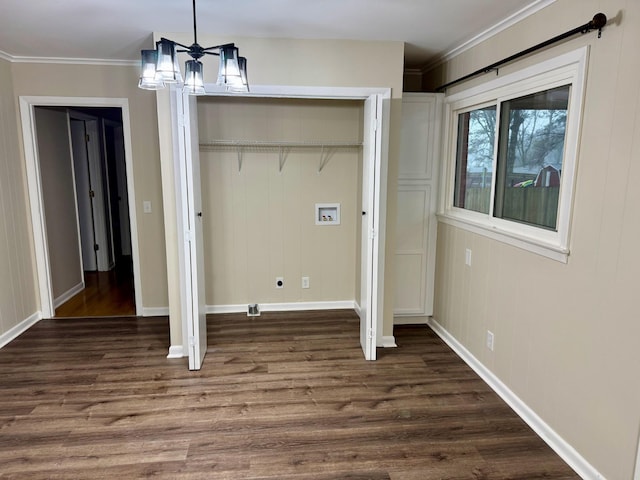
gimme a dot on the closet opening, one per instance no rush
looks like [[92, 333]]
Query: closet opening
[[252, 174], [268, 166]]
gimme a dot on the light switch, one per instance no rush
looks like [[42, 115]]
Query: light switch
[[146, 206]]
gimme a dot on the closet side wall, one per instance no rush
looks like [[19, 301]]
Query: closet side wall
[[259, 209]]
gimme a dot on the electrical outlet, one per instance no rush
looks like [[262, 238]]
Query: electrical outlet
[[467, 257], [146, 206], [490, 339], [305, 282], [279, 282]]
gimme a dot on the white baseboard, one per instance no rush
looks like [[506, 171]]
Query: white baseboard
[[155, 312], [176, 351], [357, 308], [284, 307], [228, 308], [68, 294], [388, 342], [20, 328], [400, 320], [544, 431]]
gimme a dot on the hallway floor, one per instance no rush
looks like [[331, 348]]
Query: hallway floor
[[106, 294]]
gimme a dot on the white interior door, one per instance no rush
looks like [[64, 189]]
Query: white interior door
[[368, 262], [100, 197], [83, 194], [194, 246], [93, 200]]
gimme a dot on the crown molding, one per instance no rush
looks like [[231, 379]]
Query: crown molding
[[77, 61], [68, 61], [502, 25]]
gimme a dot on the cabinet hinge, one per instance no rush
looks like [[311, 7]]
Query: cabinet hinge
[[192, 341]]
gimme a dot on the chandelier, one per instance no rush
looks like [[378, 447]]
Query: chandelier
[[160, 66]]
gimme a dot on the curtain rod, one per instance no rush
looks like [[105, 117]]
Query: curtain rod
[[597, 23]]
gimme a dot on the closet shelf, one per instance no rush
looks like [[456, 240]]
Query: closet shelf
[[326, 148]]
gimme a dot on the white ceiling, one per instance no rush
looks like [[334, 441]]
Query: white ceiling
[[118, 29]]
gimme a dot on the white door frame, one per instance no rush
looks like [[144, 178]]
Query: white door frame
[[383, 97], [27, 118], [636, 475]]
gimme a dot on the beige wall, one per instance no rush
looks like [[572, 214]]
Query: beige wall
[[259, 221], [566, 335], [117, 82], [299, 63], [17, 281], [58, 198]]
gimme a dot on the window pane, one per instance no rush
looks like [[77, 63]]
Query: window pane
[[531, 146], [474, 159]]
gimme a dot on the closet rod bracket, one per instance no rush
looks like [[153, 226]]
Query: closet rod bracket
[[239, 159]]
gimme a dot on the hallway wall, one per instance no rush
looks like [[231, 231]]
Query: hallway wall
[[58, 194]]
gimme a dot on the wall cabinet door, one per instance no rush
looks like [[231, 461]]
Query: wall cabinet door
[[417, 196]]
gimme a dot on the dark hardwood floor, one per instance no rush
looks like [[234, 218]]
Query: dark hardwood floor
[[106, 294], [281, 396]]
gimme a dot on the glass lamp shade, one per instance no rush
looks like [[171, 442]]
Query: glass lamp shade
[[193, 78], [229, 68], [242, 62], [239, 84], [167, 69], [148, 79]]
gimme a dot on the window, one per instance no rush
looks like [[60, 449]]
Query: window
[[474, 159], [512, 154]]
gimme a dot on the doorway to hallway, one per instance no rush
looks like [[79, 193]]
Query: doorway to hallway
[[70, 285]]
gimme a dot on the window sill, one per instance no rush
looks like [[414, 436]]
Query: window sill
[[515, 239]]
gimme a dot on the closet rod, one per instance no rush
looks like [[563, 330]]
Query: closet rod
[[244, 143], [597, 23], [327, 149]]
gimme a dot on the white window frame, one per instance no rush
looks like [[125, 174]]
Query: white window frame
[[569, 68]]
